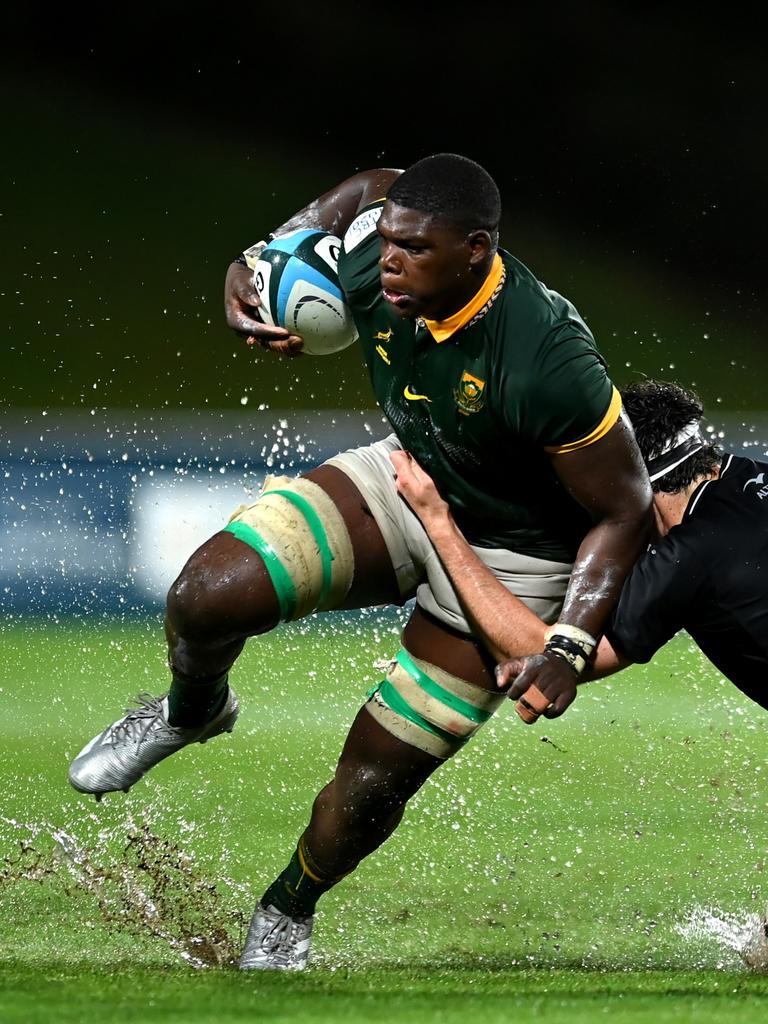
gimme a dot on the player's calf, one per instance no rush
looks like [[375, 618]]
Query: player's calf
[[419, 716]]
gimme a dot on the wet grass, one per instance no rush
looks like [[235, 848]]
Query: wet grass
[[80, 993], [548, 873]]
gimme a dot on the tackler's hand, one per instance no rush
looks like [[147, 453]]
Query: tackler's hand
[[418, 488], [542, 684], [241, 306]]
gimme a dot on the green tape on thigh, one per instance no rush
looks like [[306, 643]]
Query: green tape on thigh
[[433, 689], [401, 707], [281, 580], [315, 524]]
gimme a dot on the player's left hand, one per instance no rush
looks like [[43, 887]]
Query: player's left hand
[[542, 684], [418, 488]]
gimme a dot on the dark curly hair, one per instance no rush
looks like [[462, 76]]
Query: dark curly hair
[[452, 188], [659, 410]]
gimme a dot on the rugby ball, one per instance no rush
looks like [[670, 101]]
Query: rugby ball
[[297, 282]]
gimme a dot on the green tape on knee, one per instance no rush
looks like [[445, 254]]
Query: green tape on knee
[[401, 707], [281, 580], [433, 689], [315, 524]]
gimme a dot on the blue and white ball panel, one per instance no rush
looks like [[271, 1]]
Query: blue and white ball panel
[[297, 281], [297, 274], [320, 319], [290, 242]]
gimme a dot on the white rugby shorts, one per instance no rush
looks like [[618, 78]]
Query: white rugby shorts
[[538, 583]]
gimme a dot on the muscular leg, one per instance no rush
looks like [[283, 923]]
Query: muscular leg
[[375, 777], [224, 595]]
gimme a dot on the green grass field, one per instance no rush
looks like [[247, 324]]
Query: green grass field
[[550, 879]]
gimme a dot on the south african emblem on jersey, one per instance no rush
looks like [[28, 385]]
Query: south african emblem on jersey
[[469, 394]]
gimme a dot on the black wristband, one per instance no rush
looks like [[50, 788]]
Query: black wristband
[[240, 258], [565, 643], [563, 657]]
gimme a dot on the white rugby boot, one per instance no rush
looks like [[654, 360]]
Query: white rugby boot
[[276, 942], [127, 749], [755, 950]]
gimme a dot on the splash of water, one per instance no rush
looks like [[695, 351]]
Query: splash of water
[[148, 886], [736, 937]]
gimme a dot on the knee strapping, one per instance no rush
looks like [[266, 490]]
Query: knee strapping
[[303, 541], [429, 708]]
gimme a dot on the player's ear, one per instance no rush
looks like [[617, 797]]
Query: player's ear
[[480, 246]]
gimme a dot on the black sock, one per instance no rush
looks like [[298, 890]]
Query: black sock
[[298, 888], [195, 701]]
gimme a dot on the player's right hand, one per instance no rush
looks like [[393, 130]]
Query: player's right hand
[[241, 305], [542, 684], [418, 488]]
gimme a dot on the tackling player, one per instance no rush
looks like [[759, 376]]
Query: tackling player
[[494, 382], [706, 571]]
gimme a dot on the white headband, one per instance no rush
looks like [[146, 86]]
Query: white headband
[[679, 448]]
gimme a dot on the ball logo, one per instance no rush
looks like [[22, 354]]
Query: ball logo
[[298, 285], [311, 300]]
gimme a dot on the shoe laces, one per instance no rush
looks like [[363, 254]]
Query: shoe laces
[[279, 941], [138, 721]]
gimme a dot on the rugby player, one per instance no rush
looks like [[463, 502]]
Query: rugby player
[[706, 570], [494, 383]]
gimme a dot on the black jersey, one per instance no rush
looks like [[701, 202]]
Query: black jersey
[[709, 576]]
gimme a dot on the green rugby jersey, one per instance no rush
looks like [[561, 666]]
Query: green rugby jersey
[[481, 399]]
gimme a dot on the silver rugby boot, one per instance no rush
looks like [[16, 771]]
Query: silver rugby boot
[[127, 749], [276, 942]]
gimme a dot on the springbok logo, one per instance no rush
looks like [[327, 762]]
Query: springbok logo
[[469, 393]]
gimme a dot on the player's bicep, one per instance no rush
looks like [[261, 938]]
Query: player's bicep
[[607, 476], [568, 401]]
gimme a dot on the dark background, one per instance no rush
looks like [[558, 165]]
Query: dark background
[[144, 148]]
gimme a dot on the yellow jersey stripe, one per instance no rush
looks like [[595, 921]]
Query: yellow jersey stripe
[[442, 330], [613, 413]]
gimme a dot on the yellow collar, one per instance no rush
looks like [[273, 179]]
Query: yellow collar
[[442, 330]]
